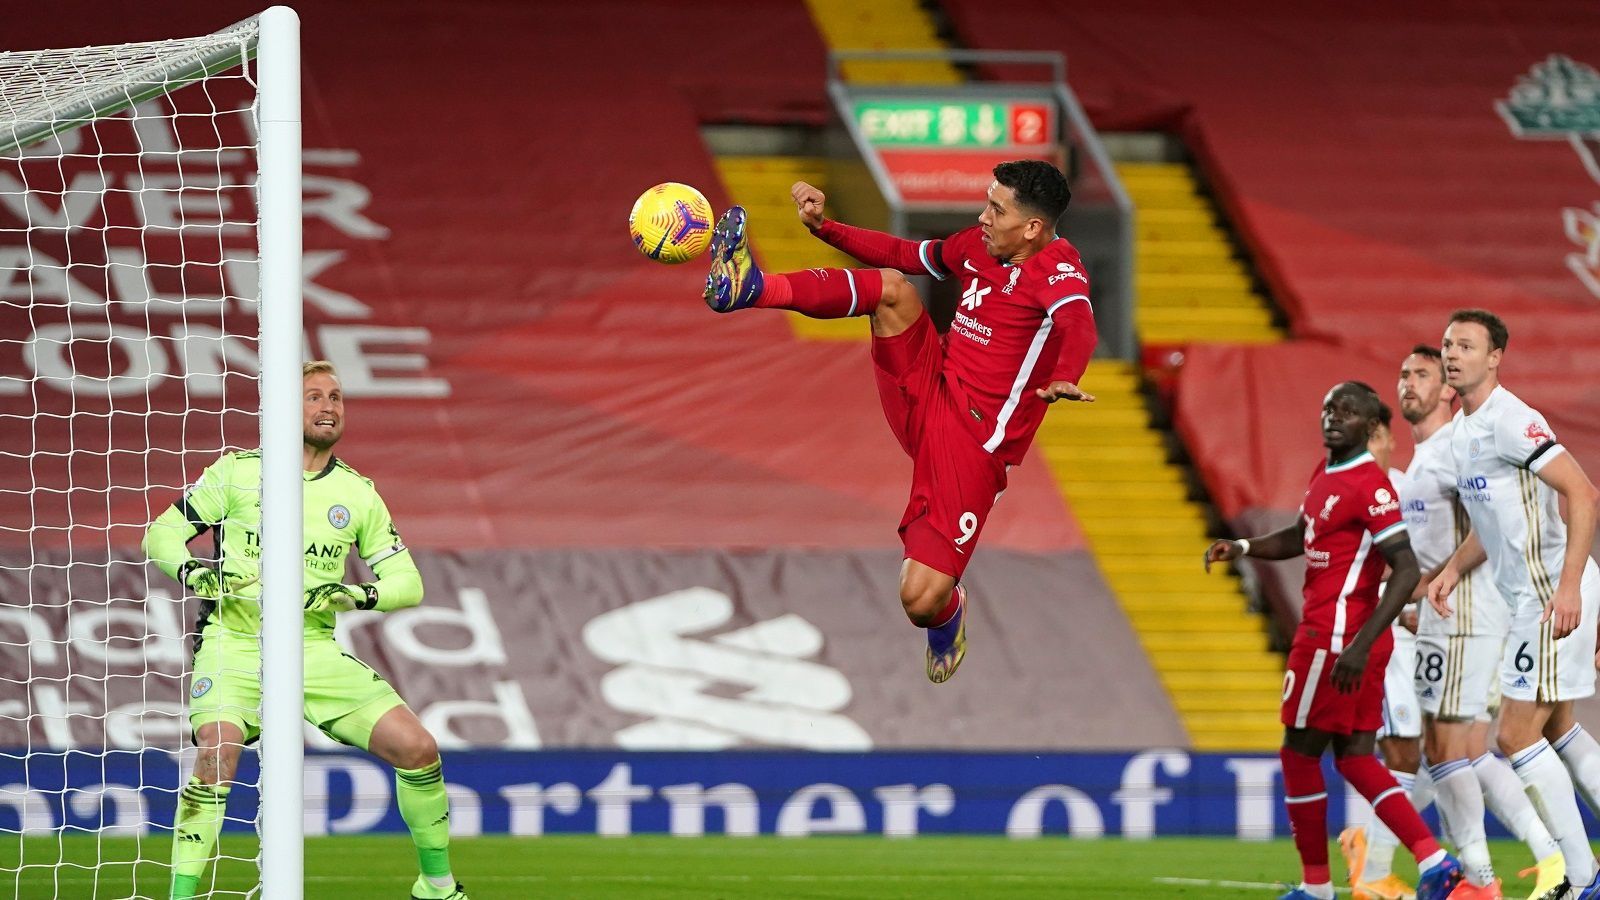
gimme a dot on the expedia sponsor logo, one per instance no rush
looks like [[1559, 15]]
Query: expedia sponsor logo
[[1068, 270], [1382, 502]]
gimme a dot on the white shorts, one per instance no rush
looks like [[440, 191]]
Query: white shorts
[[1455, 675], [1536, 667], [1401, 716]]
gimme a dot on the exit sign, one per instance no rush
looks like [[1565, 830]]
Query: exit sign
[[939, 123]]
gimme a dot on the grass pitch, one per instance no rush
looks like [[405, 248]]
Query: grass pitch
[[81, 867]]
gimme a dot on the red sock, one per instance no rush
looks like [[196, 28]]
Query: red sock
[[1306, 796], [824, 293], [1389, 802], [950, 609]]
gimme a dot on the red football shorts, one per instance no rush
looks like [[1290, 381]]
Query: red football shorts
[[1311, 701], [954, 481]]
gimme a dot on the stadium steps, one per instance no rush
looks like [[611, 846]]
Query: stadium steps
[[1192, 286], [883, 25], [781, 244], [1210, 652]]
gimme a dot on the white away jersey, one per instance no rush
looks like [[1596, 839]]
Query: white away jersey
[[1438, 523], [1498, 453]]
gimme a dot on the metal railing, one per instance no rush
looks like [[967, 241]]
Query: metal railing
[[1114, 296]]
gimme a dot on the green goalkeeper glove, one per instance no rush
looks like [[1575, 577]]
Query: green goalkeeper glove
[[203, 581], [200, 579], [341, 597]]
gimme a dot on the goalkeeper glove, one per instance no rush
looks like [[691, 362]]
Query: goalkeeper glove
[[204, 581], [341, 597], [200, 579]]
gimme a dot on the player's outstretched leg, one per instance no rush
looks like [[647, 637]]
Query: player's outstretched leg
[[1441, 872], [736, 282]]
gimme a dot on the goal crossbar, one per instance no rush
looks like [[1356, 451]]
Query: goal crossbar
[[35, 106]]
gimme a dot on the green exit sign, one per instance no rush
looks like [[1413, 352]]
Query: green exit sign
[[955, 123]]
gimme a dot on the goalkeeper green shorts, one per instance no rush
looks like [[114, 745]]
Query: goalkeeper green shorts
[[344, 696]]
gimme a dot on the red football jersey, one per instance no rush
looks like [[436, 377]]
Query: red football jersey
[[1349, 508], [1011, 326]]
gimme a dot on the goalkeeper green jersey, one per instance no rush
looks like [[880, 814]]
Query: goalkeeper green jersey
[[344, 516]]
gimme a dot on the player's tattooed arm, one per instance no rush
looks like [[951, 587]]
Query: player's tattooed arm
[[1285, 543], [1351, 666]]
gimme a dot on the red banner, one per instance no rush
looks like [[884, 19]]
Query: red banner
[[948, 177]]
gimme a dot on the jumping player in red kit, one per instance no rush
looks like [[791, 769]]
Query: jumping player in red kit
[[963, 406], [1333, 689]]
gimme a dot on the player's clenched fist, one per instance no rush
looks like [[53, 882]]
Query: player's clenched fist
[[808, 200], [341, 597], [1223, 551]]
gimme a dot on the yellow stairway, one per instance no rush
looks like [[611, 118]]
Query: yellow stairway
[[761, 185], [1192, 288], [1148, 537], [883, 25]]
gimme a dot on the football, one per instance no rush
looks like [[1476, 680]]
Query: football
[[671, 223]]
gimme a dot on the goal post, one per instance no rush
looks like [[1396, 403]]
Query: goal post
[[150, 239], [282, 562]]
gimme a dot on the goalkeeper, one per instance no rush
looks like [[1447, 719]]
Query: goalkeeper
[[343, 696]]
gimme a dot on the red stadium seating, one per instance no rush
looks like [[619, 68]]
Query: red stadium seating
[[601, 426], [1359, 154]]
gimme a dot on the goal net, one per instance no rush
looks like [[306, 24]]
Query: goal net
[[130, 358]]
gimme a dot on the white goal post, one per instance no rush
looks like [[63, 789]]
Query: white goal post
[[150, 211]]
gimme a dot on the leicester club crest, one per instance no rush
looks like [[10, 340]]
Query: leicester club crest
[[201, 685], [338, 516]]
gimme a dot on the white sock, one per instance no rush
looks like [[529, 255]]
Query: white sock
[[1582, 756], [1323, 891], [1433, 859], [1422, 795], [1549, 788], [1460, 800], [441, 881], [1504, 796]]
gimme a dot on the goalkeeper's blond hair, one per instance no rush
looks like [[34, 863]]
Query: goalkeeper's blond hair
[[317, 367]]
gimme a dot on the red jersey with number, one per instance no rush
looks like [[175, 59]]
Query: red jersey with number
[[1349, 508], [1016, 329]]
